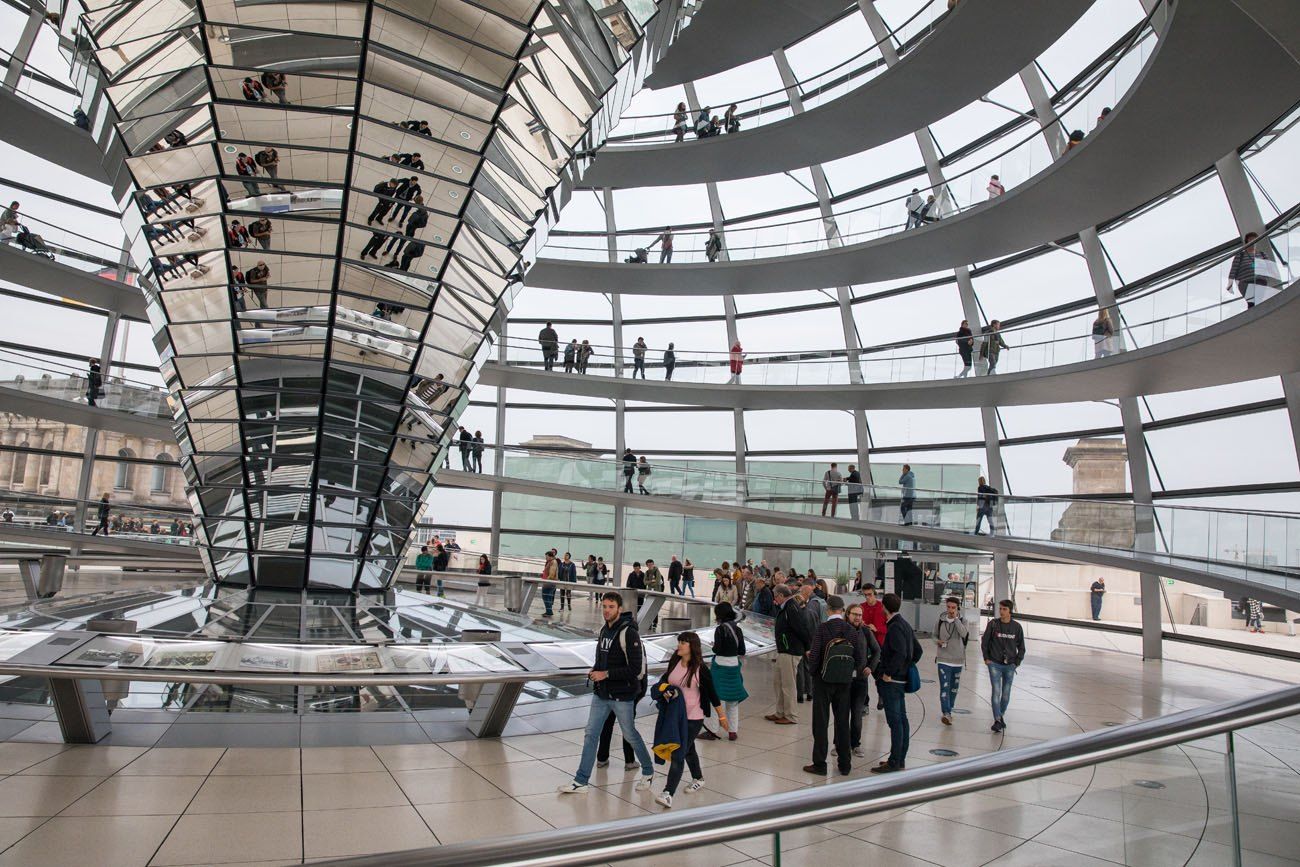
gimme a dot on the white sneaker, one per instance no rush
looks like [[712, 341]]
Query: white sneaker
[[834, 751], [860, 752], [573, 789], [604, 764], [664, 800], [695, 786], [645, 783]]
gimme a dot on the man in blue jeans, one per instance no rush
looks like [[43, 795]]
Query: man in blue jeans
[[618, 679], [1003, 646], [897, 655]]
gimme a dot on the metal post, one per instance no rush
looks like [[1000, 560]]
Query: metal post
[[81, 708], [776, 849], [1230, 777], [492, 708], [620, 407], [498, 467], [26, 39]]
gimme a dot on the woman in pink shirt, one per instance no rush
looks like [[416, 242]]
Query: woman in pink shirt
[[688, 673]]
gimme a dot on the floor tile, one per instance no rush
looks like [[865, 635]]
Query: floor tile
[[351, 791], [232, 838], [445, 785], [524, 778], [847, 850], [231, 794], [415, 757], [597, 805], [105, 841], [169, 761], [137, 796], [86, 761], [476, 820], [41, 796], [13, 830], [939, 840], [259, 760], [15, 757], [1112, 841], [339, 833], [339, 760]]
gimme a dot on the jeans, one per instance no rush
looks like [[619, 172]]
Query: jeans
[[665, 256], [548, 598], [638, 364], [900, 735], [1000, 677], [905, 510], [981, 513], [1096, 606], [685, 756], [832, 702], [732, 710], [690, 587], [853, 508], [607, 735], [857, 710], [625, 713], [949, 683]]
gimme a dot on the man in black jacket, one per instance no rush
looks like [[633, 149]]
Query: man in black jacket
[[853, 489], [837, 657], [618, 679], [441, 560], [102, 523], [792, 640], [898, 654], [549, 340], [675, 576]]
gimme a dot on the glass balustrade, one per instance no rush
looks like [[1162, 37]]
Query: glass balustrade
[[41, 376]]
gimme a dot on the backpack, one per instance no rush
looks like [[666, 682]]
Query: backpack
[[643, 681], [838, 665]]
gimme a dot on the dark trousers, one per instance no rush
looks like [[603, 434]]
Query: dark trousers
[[668, 371], [675, 586], [685, 757], [857, 710], [372, 246], [627, 483], [566, 595], [103, 525], [607, 735], [832, 702], [905, 510], [981, 513], [896, 716], [1096, 606], [548, 358], [803, 679], [548, 597], [638, 365], [379, 212]]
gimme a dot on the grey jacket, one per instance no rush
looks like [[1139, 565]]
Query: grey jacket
[[951, 633]]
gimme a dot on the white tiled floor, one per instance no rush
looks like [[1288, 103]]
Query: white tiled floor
[[179, 806]]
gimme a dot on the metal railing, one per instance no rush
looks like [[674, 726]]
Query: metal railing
[[770, 815]]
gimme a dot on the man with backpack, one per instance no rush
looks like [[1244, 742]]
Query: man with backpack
[[899, 653], [838, 655], [618, 680]]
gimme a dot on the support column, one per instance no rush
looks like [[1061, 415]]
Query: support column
[[620, 406], [498, 464], [729, 314], [843, 297], [1130, 415], [22, 50], [1247, 216]]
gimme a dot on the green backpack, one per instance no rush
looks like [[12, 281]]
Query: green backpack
[[838, 664]]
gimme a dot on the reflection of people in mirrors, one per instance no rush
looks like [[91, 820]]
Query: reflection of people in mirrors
[[260, 229], [419, 127], [407, 189], [257, 278], [412, 252], [417, 221], [246, 167], [253, 90], [268, 160], [276, 83]]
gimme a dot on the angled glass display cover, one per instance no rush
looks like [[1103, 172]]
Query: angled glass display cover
[[332, 203]]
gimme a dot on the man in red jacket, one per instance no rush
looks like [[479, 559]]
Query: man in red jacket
[[874, 618]]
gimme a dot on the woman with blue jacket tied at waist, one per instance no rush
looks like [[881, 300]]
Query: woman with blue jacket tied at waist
[[1003, 646], [618, 680], [686, 689]]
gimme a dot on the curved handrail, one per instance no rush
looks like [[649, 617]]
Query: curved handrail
[[763, 107], [1200, 303], [824, 232], [666, 832]]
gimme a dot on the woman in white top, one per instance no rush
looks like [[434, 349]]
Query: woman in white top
[[995, 187]]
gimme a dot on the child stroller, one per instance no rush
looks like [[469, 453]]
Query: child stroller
[[32, 242], [640, 257]]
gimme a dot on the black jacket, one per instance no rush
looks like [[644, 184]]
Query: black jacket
[[440, 561], [675, 572], [1003, 642], [793, 635], [833, 628], [854, 490], [899, 651], [873, 647], [708, 695], [987, 496], [624, 668], [728, 639], [418, 220], [636, 579]]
